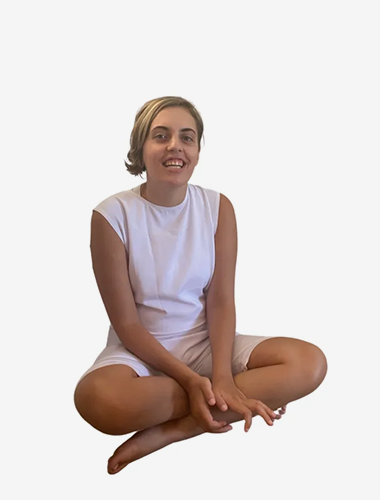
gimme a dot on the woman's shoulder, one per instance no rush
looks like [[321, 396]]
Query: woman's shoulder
[[204, 190], [118, 201]]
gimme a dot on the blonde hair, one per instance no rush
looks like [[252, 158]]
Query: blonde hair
[[143, 121]]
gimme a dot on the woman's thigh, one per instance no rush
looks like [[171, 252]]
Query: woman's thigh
[[115, 400], [119, 355], [242, 348], [304, 357]]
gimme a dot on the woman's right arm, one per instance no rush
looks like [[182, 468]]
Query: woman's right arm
[[109, 263]]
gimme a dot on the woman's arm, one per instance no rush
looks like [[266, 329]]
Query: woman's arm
[[220, 302], [109, 263]]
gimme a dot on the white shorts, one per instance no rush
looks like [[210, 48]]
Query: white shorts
[[194, 350]]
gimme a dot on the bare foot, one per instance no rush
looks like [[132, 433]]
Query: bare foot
[[147, 441]]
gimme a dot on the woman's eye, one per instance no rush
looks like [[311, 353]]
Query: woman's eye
[[187, 136]]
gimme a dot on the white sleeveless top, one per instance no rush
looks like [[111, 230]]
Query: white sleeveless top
[[171, 253]]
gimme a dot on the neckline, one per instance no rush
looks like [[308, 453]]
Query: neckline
[[176, 207]]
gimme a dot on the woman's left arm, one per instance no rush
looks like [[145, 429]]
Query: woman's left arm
[[221, 319], [220, 301], [221, 324]]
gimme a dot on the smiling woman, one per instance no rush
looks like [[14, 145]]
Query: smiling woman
[[164, 258], [172, 136]]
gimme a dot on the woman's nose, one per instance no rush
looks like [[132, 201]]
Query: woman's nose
[[175, 143]]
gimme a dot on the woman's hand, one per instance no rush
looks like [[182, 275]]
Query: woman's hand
[[201, 395], [228, 396]]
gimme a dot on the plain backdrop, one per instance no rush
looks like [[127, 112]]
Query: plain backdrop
[[289, 95]]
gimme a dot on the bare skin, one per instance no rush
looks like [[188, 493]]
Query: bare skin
[[275, 385], [147, 441], [279, 385]]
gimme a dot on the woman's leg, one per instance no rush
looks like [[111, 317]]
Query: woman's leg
[[115, 400], [299, 369]]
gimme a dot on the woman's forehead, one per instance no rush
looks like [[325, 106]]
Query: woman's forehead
[[174, 118]]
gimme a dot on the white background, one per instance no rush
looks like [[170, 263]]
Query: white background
[[289, 95]]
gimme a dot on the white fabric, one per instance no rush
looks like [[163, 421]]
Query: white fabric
[[171, 256], [171, 252]]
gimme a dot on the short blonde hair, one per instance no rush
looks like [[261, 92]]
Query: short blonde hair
[[143, 122]]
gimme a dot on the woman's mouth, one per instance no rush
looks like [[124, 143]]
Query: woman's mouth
[[175, 168]]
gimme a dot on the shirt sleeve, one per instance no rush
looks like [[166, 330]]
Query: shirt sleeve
[[113, 210]]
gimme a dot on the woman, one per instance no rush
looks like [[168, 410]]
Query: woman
[[164, 257]]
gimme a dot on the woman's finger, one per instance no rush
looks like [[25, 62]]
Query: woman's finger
[[265, 412], [248, 419], [221, 404], [268, 416], [220, 401], [226, 428], [208, 392], [270, 412], [247, 414], [212, 425]]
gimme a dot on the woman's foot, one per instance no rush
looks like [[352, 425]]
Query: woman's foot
[[147, 441]]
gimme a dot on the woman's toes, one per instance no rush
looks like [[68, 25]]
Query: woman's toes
[[113, 465]]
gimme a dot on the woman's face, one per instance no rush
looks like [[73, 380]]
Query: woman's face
[[167, 138]]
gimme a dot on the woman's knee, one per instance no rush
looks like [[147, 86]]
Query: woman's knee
[[313, 364], [102, 408]]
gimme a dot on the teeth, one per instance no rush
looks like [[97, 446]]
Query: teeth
[[172, 163]]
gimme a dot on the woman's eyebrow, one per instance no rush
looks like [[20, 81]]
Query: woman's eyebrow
[[167, 128]]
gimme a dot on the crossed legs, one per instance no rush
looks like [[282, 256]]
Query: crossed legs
[[280, 370], [115, 401]]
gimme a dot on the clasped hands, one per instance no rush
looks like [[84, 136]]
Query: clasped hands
[[224, 393]]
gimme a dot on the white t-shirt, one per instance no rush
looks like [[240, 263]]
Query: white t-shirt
[[171, 252]]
